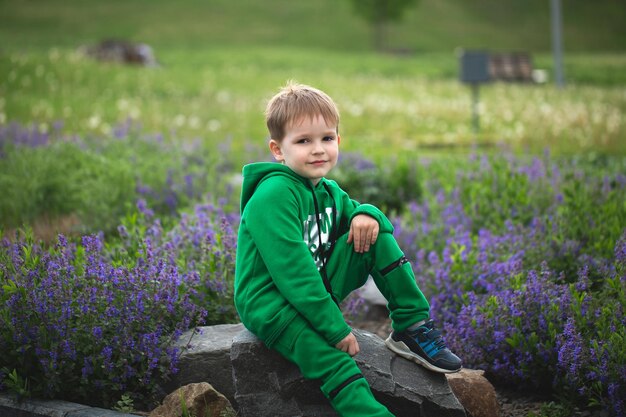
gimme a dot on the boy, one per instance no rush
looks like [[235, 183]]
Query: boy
[[304, 245]]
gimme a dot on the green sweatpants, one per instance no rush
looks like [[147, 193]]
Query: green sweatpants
[[341, 379]]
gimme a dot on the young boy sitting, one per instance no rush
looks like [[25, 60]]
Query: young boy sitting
[[304, 245]]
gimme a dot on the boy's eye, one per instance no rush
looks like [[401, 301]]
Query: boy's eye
[[303, 140], [329, 138]]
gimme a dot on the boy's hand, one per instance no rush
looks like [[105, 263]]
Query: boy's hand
[[349, 345], [363, 232]]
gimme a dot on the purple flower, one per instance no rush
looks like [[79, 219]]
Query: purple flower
[[143, 208]]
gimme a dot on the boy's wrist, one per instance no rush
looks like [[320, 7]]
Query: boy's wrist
[[340, 336]]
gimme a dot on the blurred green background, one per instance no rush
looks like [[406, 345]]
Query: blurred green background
[[219, 62], [82, 141], [429, 25]]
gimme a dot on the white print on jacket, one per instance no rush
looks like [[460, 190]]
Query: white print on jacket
[[311, 233]]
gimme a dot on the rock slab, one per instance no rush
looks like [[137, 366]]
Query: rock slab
[[10, 406], [206, 358], [267, 385]]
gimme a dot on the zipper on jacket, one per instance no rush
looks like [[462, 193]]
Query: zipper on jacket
[[325, 255]]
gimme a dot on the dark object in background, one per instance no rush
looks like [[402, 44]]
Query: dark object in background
[[475, 67], [121, 51], [511, 67], [483, 66]]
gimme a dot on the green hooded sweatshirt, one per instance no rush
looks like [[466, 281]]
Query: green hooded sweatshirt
[[277, 275]]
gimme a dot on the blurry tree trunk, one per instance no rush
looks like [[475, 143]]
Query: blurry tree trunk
[[379, 13], [379, 29], [379, 25]]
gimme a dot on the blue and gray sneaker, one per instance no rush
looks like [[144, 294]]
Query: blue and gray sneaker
[[426, 347]]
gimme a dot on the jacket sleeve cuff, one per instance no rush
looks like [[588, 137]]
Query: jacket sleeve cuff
[[340, 336], [373, 211]]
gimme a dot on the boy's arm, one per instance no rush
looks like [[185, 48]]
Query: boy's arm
[[351, 208], [273, 222], [373, 211]]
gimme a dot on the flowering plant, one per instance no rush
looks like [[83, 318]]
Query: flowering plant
[[524, 263], [89, 321]]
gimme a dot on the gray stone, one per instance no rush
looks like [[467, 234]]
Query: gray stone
[[11, 407], [207, 359], [268, 385], [36, 408], [121, 51], [98, 412]]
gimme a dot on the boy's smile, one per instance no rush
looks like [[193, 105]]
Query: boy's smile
[[310, 147]]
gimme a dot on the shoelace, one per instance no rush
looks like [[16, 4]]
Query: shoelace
[[431, 334]]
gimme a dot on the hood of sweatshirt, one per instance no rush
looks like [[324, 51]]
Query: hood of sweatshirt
[[256, 173]]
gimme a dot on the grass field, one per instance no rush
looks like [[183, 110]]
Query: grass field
[[433, 25], [221, 60], [387, 103]]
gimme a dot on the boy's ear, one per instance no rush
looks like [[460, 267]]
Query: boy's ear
[[338, 139], [275, 149]]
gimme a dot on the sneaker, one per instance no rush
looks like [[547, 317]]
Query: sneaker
[[426, 347]]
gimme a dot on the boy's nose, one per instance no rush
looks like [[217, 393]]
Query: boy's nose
[[318, 148]]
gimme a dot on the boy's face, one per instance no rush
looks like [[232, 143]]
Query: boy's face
[[310, 148]]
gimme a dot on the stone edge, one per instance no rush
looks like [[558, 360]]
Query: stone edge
[[10, 406]]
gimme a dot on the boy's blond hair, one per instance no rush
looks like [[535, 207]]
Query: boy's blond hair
[[295, 101]]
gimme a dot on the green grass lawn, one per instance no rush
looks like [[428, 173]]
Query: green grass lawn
[[388, 104], [433, 25], [221, 60]]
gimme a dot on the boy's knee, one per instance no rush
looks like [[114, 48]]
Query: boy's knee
[[344, 373], [386, 245], [343, 385]]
